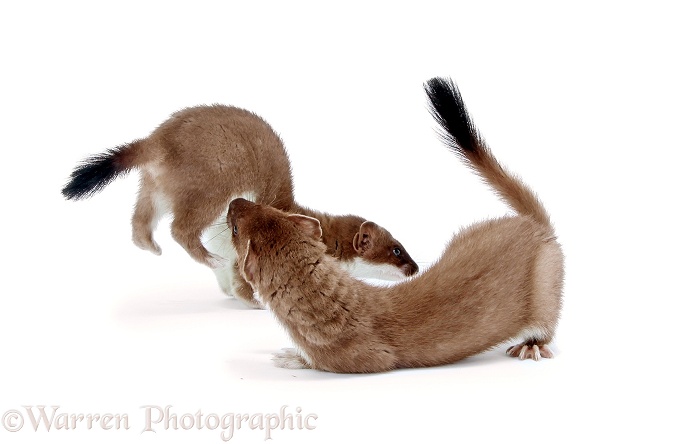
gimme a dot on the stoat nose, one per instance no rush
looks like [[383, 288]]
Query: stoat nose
[[410, 269]]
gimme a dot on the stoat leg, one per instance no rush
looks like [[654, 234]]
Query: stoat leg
[[289, 358], [530, 349], [150, 208]]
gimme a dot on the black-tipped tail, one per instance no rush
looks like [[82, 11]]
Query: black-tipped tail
[[462, 138], [448, 109], [96, 172]]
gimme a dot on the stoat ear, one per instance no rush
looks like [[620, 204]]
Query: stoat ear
[[363, 240], [250, 265], [308, 225]]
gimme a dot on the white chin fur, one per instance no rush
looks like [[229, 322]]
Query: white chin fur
[[217, 236], [217, 239], [365, 270]]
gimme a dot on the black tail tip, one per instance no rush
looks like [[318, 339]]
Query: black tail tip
[[441, 87], [436, 82], [449, 111], [92, 175], [72, 192]]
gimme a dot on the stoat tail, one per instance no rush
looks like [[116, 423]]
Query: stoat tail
[[462, 138], [96, 172]]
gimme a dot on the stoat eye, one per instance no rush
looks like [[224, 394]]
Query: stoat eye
[[235, 230], [396, 251]]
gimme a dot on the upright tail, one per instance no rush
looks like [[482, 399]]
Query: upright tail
[[96, 172], [462, 138]]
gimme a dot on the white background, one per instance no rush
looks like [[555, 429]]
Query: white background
[[589, 104]]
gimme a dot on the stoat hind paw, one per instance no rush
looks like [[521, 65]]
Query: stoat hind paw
[[147, 245], [530, 350]]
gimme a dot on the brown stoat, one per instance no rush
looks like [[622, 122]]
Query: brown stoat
[[497, 280], [199, 160]]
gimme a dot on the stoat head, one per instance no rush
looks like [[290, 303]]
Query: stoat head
[[380, 255], [271, 244]]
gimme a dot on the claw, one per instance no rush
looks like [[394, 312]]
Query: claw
[[529, 350]]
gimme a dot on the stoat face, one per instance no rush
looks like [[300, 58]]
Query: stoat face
[[380, 256], [372, 253], [269, 241]]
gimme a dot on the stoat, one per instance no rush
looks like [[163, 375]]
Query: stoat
[[497, 280], [199, 160]]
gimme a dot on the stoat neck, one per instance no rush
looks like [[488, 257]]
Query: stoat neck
[[318, 304]]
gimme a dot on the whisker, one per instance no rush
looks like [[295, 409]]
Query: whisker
[[217, 235], [205, 242], [214, 225]]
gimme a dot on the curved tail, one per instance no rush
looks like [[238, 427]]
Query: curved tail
[[96, 172], [462, 138]]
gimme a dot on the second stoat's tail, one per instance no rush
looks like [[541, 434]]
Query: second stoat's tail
[[96, 172]]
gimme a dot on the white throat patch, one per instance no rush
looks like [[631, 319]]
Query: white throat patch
[[365, 270]]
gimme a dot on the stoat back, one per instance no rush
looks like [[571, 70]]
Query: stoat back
[[216, 150]]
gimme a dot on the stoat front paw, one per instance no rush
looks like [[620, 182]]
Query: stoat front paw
[[289, 358]]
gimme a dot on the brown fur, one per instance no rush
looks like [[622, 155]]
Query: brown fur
[[497, 280], [194, 164]]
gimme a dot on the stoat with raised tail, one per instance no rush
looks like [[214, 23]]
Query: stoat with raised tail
[[198, 161], [497, 280]]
